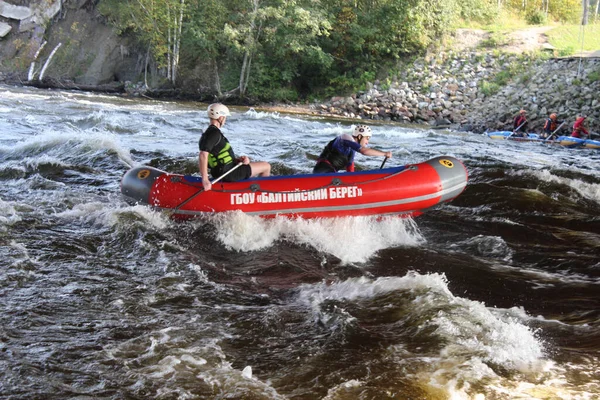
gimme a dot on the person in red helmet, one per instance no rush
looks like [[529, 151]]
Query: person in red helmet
[[579, 130], [520, 124]]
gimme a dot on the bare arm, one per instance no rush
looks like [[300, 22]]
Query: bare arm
[[372, 152], [203, 165]]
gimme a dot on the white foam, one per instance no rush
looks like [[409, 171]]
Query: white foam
[[352, 239], [104, 214], [494, 335], [475, 339], [544, 279], [398, 134], [247, 372], [340, 391], [24, 97], [44, 159], [8, 215], [253, 114], [485, 246], [590, 191], [164, 355], [365, 288], [71, 142]]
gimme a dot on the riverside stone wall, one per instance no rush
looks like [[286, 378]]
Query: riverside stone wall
[[478, 92]]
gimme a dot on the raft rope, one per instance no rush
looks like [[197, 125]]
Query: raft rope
[[255, 187]]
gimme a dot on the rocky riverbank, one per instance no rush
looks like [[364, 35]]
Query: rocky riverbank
[[478, 91], [474, 89]]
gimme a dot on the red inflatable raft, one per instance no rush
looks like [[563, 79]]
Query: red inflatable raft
[[407, 190]]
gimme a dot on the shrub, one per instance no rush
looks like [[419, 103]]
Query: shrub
[[488, 88], [502, 77], [567, 51], [537, 17], [594, 76], [525, 78]]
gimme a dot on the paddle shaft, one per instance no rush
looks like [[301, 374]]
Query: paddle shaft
[[212, 182], [552, 134], [518, 127], [383, 163]]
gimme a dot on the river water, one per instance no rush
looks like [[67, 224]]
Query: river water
[[495, 295]]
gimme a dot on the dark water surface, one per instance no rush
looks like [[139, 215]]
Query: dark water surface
[[493, 296]]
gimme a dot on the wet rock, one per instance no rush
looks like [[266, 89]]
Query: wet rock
[[450, 91]]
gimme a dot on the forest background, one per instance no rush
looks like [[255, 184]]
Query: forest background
[[278, 51], [297, 50]]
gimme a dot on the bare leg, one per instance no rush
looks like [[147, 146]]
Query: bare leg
[[260, 168]]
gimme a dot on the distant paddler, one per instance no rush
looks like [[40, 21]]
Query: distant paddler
[[551, 126], [579, 130], [520, 124]]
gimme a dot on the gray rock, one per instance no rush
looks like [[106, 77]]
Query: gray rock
[[4, 29], [14, 12]]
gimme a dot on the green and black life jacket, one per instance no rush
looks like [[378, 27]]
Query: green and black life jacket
[[221, 157]]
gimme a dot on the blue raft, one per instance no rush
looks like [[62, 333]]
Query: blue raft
[[566, 141]]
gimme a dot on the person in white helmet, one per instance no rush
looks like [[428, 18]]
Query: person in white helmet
[[217, 155], [339, 153]]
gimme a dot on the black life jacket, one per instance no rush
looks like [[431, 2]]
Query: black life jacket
[[336, 159]]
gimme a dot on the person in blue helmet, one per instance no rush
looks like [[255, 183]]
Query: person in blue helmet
[[339, 153]]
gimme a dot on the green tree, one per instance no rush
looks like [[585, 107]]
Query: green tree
[[157, 24], [560, 10], [290, 52], [369, 36], [203, 39]]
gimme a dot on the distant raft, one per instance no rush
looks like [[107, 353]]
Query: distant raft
[[408, 190], [565, 141]]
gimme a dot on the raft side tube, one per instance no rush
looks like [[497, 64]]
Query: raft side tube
[[570, 141], [591, 144], [453, 176], [137, 183]]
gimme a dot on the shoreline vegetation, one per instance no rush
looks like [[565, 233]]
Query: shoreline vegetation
[[458, 91], [429, 71]]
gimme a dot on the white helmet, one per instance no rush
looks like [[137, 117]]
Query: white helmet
[[362, 130], [217, 110]]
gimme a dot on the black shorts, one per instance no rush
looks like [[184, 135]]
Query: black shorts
[[242, 172]]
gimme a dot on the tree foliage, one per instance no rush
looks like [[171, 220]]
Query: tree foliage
[[156, 23], [286, 49], [559, 10]]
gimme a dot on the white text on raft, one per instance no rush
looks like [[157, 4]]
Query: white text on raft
[[291, 197]]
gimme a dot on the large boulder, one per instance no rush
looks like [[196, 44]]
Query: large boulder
[[11, 11]]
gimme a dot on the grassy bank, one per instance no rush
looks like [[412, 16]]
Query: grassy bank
[[571, 39]]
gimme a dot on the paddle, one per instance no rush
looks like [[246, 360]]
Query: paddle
[[515, 131], [202, 190], [383, 163], [312, 157], [552, 134]]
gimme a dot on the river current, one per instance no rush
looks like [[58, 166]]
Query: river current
[[495, 295]]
